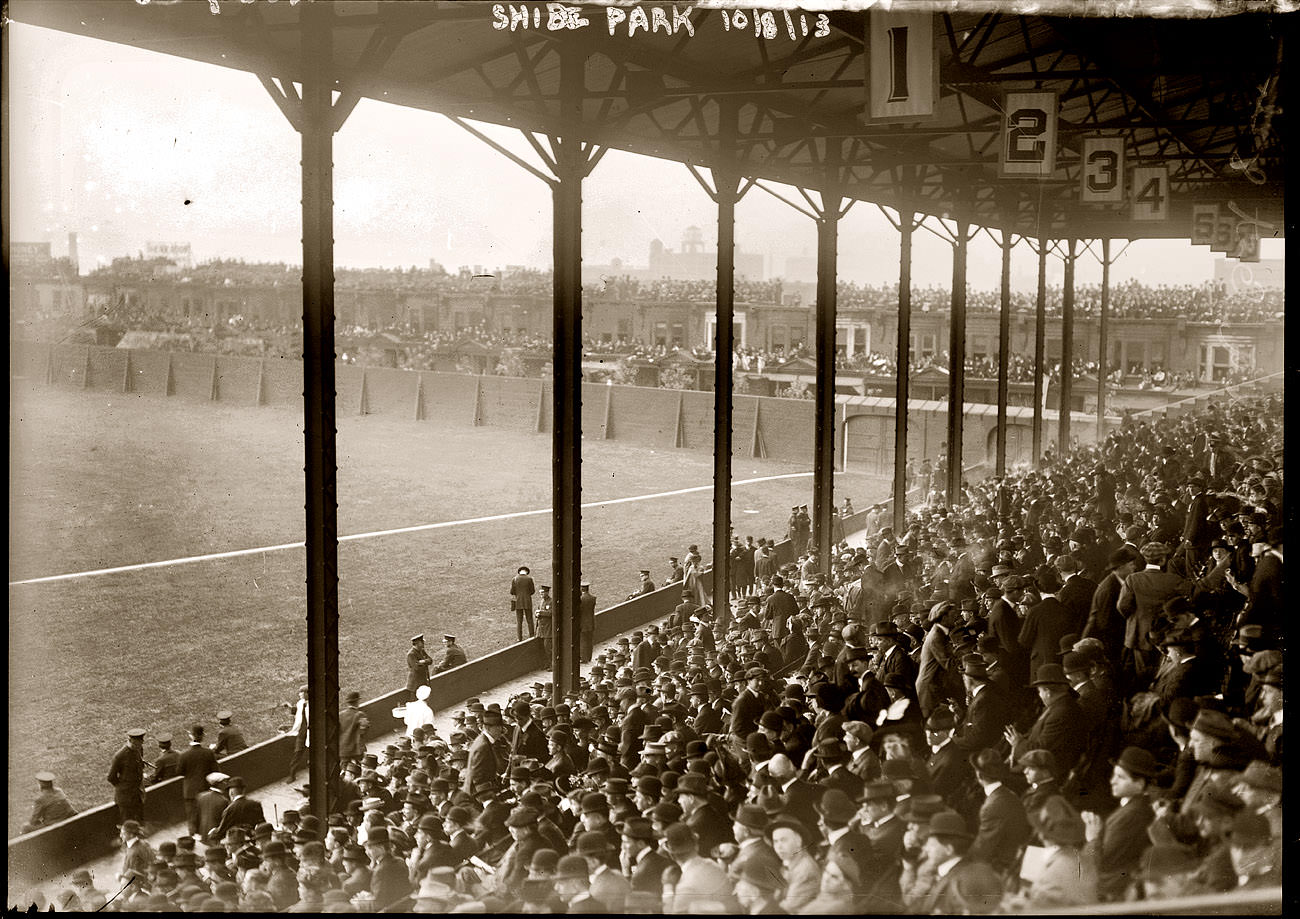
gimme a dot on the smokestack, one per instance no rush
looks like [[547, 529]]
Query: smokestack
[[72, 253]]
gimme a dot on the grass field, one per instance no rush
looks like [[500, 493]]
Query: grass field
[[105, 480]]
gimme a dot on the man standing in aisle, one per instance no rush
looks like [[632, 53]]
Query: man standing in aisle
[[197, 762], [126, 775], [521, 601]]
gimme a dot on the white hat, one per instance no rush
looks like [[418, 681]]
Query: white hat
[[422, 692], [216, 778]]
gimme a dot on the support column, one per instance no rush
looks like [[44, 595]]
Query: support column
[[566, 427], [1004, 347], [957, 362], [906, 224], [1102, 330], [1040, 332], [828, 235], [1067, 352], [726, 182], [319, 408]]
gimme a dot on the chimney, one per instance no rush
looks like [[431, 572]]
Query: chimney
[[72, 253]]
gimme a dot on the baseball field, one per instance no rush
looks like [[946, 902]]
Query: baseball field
[[104, 480]]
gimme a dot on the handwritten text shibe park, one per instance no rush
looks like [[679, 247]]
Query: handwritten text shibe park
[[557, 17]]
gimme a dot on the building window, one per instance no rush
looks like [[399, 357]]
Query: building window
[[679, 335], [624, 329], [661, 334]]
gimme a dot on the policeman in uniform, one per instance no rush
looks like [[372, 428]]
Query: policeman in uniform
[[126, 775], [417, 666], [230, 739], [51, 806], [452, 656], [167, 764]]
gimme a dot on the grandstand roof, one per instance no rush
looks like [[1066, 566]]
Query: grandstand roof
[[1196, 89]]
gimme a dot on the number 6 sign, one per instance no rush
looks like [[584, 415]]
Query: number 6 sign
[[1029, 135]]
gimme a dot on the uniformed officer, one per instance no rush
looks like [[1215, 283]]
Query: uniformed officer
[[167, 764], [417, 666], [126, 775], [647, 585], [452, 656], [51, 806], [230, 739]]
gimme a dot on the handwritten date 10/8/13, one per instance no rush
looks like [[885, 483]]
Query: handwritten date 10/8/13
[[558, 17]]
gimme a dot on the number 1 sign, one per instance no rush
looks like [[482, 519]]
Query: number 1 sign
[[1029, 136]]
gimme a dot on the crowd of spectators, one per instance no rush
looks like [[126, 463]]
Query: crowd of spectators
[[1064, 691], [1206, 302]]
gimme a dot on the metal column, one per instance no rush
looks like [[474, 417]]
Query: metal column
[[957, 362], [828, 234], [1067, 352], [1040, 332], [317, 127], [566, 396], [727, 183], [1004, 347], [906, 224], [1102, 331]]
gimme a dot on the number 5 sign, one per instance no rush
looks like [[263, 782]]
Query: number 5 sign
[[1150, 192], [1103, 170], [1029, 136]]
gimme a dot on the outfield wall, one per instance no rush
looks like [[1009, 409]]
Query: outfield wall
[[663, 419], [62, 847]]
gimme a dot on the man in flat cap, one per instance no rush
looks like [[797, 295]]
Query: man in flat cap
[[126, 775], [211, 802], [521, 600], [453, 655], [51, 806]]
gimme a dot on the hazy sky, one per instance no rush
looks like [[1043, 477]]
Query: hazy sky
[[110, 141]]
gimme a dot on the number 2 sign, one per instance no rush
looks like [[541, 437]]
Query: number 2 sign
[[1029, 135], [1150, 192]]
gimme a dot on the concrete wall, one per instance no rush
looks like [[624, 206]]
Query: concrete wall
[[651, 417]]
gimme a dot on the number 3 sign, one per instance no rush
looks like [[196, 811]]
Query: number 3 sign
[[1103, 170], [1029, 135]]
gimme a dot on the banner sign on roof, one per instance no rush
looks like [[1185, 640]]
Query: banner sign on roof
[[902, 66], [1103, 171], [1029, 136]]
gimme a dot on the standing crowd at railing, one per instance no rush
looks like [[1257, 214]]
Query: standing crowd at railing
[[1064, 691]]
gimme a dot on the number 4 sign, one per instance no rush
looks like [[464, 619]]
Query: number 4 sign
[[1150, 193]]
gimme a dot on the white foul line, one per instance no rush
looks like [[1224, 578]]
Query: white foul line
[[235, 553]]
